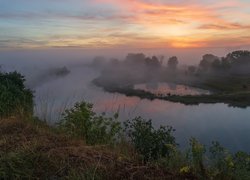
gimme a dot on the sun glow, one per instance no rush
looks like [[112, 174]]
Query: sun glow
[[126, 23]]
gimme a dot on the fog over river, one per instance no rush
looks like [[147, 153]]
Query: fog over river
[[206, 122]]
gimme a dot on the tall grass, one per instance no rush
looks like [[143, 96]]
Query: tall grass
[[50, 109]]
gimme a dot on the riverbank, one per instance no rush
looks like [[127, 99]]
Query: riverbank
[[231, 91], [30, 149]]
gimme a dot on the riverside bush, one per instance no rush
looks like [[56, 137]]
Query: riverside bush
[[15, 98], [81, 121], [149, 142]]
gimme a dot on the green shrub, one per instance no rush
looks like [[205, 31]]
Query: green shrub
[[221, 161], [15, 98], [149, 142], [176, 161], [196, 156], [241, 166], [82, 122]]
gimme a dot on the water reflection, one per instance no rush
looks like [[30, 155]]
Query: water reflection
[[170, 88]]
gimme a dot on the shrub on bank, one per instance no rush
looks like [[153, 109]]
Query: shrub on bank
[[15, 98], [81, 121], [149, 142]]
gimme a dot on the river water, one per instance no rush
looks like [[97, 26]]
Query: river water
[[206, 122]]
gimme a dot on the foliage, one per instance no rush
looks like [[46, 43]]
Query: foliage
[[81, 121], [196, 157], [238, 55], [222, 161], [173, 62], [241, 165], [14, 96], [151, 143]]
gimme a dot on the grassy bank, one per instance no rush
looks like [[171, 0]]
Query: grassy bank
[[30, 149]]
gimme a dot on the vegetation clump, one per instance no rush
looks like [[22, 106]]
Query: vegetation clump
[[81, 121], [15, 98], [151, 143]]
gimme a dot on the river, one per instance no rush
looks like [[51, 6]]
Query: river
[[206, 122]]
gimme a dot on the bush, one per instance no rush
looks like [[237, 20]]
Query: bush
[[82, 122], [241, 165], [15, 98], [197, 155], [149, 142], [222, 161]]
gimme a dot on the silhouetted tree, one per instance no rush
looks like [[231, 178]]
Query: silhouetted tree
[[239, 58], [238, 54], [152, 62], [207, 61], [173, 62], [216, 64], [135, 59], [225, 64]]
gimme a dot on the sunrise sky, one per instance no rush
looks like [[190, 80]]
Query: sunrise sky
[[124, 23]]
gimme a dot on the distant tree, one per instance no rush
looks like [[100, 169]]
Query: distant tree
[[238, 58], [207, 61], [216, 64], [153, 62], [135, 59], [173, 62], [225, 64], [191, 69], [238, 54]]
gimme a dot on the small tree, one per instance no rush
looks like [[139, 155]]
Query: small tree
[[173, 62]]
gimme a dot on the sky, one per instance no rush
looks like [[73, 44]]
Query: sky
[[94, 24]]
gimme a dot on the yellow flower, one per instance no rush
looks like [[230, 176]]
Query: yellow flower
[[185, 169]]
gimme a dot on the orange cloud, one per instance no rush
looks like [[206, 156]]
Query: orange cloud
[[149, 24], [176, 21]]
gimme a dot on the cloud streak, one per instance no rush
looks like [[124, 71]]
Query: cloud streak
[[127, 23]]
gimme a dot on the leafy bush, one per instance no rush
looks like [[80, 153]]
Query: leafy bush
[[82, 122], [222, 161], [218, 164], [196, 156], [241, 165], [149, 142], [14, 96]]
